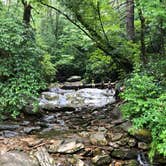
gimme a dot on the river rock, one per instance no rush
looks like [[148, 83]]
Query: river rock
[[17, 159], [126, 126], [70, 147], [29, 110], [114, 145], [143, 145], [9, 134], [115, 114], [98, 139], [66, 147], [29, 130], [43, 157], [124, 153], [102, 129], [116, 136], [9, 126], [132, 163], [80, 163], [123, 141], [132, 142], [142, 135], [25, 123], [49, 118], [83, 134], [76, 161], [54, 146], [74, 79], [50, 96], [101, 160], [117, 163]]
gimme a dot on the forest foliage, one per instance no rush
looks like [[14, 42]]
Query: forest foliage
[[61, 38]]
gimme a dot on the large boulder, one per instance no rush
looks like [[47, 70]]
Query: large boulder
[[17, 159]]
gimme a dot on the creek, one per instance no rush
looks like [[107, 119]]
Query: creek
[[77, 128]]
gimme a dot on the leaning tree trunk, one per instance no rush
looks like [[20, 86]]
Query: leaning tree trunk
[[130, 19]]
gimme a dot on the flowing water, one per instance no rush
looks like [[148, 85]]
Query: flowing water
[[143, 161]]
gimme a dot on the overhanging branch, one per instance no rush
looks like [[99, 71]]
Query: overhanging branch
[[68, 18]]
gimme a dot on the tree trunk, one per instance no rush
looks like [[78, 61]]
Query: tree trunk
[[162, 35], [142, 33], [130, 19], [27, 12], [142, 37]]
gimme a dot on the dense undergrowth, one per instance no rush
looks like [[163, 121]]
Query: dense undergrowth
[[145, 106], [21, 75]]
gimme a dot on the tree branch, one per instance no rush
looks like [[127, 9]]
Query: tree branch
[[93, 33], [101, 23], [68, 18]]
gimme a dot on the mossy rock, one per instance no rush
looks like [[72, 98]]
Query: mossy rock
[[143, 135], [132, 163]]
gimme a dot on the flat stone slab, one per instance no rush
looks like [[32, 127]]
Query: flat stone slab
[[16, 159]]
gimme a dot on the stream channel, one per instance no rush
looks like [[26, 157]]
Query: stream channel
[[73, 128]]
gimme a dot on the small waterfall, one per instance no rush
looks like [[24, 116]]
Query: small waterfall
[[143, 161]]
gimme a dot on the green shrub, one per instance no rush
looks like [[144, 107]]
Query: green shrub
[[20, 67], [156, 67], [48, 67], [145, 105], [99, 67]]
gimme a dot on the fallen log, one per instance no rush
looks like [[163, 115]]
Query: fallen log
[[108, 85]]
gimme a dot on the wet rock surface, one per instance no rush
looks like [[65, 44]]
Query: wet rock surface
[[76, 99]]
